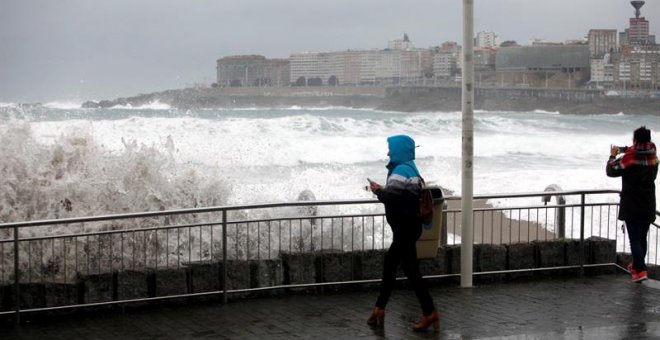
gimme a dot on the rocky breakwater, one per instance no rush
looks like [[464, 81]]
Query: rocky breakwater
[[192, 98]]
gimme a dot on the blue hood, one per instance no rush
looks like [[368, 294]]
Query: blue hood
[[402, 150]]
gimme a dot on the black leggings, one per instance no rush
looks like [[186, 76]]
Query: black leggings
[[404, 252]]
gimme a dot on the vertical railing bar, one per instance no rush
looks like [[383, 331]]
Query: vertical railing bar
[[582, 211], [290, 236], [609, 208], [200, 243], [88, 252], [572, 222], [167, 248], [269, 233], [656, 246], [545, 231], [592, 221], [363, 234], [224, 256], [483, 227], [211, 246], [502, 227], [373, 232], [546, 224], [75, 245], [144, 245], [492, 227], [41, 261], [52, 245], [600, 221], [29, 254], [64, 258], [519, 225], [156, 255], [178, 248], [134, 250], [529, 222], [352, 233], [98, 242], [190, 245], [111, 246], [332, 233], [17, 285], [279, 223], [383, 233], [511, 226]]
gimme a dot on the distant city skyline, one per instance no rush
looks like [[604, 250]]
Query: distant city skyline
[[74, 50]]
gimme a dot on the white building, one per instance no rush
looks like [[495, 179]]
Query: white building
[[602, 70], [399, 64], [487, 39], [445, 64]]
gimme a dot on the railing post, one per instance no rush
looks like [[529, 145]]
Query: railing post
[[560, 218], [224, 256], [581, 235], [17, 285], [444, 230]]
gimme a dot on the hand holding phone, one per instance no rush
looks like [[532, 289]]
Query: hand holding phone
[[373, 186]]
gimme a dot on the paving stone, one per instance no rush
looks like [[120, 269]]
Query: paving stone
[[594, 307]]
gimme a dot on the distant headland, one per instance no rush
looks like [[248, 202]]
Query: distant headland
[[405, 99]]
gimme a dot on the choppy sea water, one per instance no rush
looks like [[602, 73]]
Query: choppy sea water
[[156, 157]]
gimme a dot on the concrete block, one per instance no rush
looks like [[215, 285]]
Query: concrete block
[[622, 259], [602, 250], [204, 277], [61, 294], [265, 273], [521, 256], [132, 285], [335, 266], [435, 266], [491, 257], [239, 274], [33, 295], [454, 255], [654, 271], [298, 268], [551, 253], [171, 282], [98, 287], [371, 264]]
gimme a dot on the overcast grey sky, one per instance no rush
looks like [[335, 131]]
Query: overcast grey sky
[[74, 50]]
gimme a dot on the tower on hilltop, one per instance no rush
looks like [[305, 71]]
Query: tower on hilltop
[[638, 33], [637, 5]]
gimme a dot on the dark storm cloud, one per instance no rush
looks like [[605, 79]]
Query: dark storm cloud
[[84, 49]]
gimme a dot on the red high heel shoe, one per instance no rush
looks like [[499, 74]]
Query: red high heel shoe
[[428, 320], [377, 317]]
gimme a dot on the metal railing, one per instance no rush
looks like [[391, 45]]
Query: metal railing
[[63, 251]]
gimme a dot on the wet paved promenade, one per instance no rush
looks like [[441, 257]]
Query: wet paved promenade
[[596, 307]]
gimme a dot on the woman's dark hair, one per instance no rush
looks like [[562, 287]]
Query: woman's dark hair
[[642, 135]]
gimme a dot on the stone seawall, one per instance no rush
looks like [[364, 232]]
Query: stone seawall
[[292, 269], [410, 99]]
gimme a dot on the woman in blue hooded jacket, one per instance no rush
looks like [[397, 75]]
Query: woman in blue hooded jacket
[[401, 198]]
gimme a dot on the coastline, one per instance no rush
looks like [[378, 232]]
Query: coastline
[[401, 99]]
